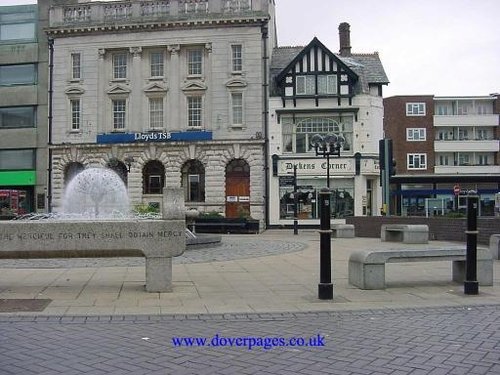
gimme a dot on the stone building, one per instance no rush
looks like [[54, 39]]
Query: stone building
[[443, 147], [23, 110], [336, 97], [166, 93]]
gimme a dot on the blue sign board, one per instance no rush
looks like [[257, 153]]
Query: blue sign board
[[190, 136]]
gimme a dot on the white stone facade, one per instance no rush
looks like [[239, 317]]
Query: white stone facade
[[114, 91]]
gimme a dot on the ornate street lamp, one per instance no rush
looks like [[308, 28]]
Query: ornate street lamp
[[326, 146]]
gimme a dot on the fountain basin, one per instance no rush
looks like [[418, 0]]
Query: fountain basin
[[156, 240]]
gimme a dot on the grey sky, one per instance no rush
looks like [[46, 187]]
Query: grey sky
[[440, 47]]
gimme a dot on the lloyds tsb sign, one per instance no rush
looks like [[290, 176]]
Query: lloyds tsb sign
[[188, 136]]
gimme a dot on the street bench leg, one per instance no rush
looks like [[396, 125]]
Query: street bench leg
[[158, 274], [367, 276], [484, 271]]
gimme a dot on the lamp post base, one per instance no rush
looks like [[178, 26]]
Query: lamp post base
[[325, 291], [471, 287]]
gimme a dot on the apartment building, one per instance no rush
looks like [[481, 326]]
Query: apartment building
[[443, 147], [166, 93], [23, 110], [336, 98]]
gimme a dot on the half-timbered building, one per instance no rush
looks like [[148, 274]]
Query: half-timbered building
[[318, 93]]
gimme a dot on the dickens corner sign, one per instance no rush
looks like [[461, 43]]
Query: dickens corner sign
[[189, 136], [317, 167]]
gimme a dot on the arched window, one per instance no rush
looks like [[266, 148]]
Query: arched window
[[193, 181], [71, 170], [153, 177], [120, 169]]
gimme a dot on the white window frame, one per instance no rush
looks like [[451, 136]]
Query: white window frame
[[119, 115], [416, 161], [75, 105], [305, 85], [156, 112], [195, 61], [415, 109], [120, 62], [156, 68], [330, 84], [76, 66], [237, 100], [416, 134], [236, 58], [194, 113]]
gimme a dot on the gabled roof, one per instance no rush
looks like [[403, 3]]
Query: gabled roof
[[367, 67], [314, 43]]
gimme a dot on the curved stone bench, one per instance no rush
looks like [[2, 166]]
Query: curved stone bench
[[406, 233], [156, 240], [366, 268]]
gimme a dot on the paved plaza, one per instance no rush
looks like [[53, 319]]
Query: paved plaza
[[260, 290]]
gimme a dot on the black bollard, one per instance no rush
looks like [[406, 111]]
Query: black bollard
[[471, 285], [325, 286]]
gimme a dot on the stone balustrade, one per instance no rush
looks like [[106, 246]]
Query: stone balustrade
[[144, 10]]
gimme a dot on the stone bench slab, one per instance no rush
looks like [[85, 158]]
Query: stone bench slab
[[406, 233], [495, 246], [366, 268], [343, 230]]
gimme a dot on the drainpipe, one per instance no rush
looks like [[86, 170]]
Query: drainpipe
[[51, 93], [265, 114]]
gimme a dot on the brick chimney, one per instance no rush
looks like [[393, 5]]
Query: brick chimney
[[345, 39]]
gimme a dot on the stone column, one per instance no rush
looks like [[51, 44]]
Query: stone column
[[174, 74], [135, 103], [101, 100]]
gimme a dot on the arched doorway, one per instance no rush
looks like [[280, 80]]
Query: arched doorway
[[120, 169], [71, 170], [193, 181], [153, 177], [237, 189]]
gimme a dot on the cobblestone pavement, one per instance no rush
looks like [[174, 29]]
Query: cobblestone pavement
[[231, 248], [445, 340]]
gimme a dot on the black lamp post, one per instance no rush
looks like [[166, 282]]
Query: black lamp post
[[326, 146]]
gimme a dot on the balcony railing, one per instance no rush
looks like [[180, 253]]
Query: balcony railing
[[143, 10]]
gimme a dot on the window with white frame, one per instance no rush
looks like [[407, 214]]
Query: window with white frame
[[119, 114], [415, 109], [415, 134], [417, 161], [443, 110], [444, 159], [327, 84], [156, 113], [76, 66], [237, 108], [195, 61], [305, 85], [120, 65], [75, 114], [464, 159], [237, 57], [482, 159], [156, 64], [194, 111]]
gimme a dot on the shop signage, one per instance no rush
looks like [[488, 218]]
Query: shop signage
[[317, 167], [189, 136]]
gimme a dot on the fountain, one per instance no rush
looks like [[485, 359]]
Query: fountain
[[96, 193], [104, 230]]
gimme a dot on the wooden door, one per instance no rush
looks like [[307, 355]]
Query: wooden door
[[237, 189]]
